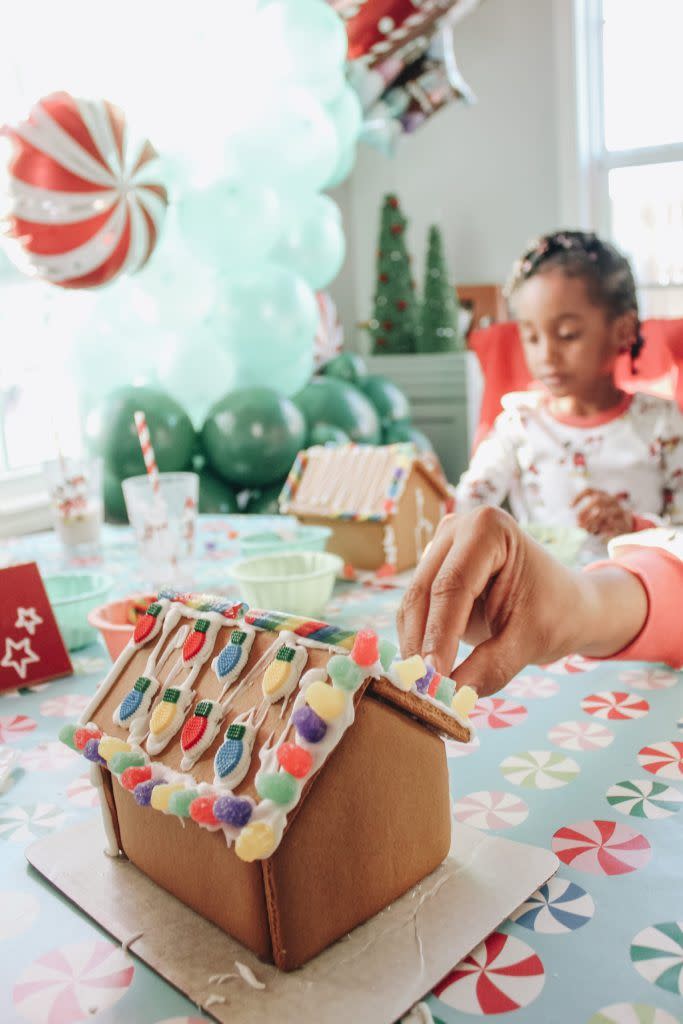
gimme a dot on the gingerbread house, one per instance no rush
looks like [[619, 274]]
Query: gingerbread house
[[283, 777], [383, 504]]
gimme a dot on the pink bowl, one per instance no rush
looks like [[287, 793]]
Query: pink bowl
[[113, 621]]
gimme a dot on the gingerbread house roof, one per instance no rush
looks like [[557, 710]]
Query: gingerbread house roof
[[226, 715], [354, 482]]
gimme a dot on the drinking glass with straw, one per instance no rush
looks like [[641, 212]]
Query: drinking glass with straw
[[162, 509], [75, 490]]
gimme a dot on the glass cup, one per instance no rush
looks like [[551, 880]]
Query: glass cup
[[164, 525], [75, 490]]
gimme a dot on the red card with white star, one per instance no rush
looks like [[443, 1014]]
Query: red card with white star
[[31, 646]]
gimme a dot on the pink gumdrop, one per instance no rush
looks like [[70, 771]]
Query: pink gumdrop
[[365, 649]]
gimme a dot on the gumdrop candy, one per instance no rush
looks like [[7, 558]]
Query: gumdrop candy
[[201, 810], [82, 735], [92, 752], [161, 794], [110, 746], [445, 691], [423, 683], [181, 802], [233, 811], [309, 725], [280, 787], [133, 776], [256, 841], [143, 792], [327, 701], [126, 759], [295, 760], [365, 650], [464, 701], [66, 735], [344, 672], [387, 653], [406, 673], [434, 684]]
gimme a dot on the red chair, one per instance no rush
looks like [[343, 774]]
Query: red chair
[[500, 355]]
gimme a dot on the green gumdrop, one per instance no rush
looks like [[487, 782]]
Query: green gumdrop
[[445, 691], [179, 803], [66, 735], [215, 496], [251, 436], [404, 433], [346, 366], [387, 653], [389, 401], [325, 433], [344, 672], [335, 402], [126, 759], [280, 787]]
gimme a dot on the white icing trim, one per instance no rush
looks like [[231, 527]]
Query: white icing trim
[[213, 723], [112, 847], [389, 545]]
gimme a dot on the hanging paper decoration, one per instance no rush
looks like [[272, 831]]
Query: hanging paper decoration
[[283, 673], [137, 701], [234, 656], [233, 757], [199, 732], [86, 199], [149, 624], [329, 337], [195, 641]]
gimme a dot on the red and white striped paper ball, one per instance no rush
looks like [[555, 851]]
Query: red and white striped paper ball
[[86, 202]]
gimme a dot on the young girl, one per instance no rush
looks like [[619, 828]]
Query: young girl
[[579, 450]]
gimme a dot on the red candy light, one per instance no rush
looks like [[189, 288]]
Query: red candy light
[[132, 776], [81, 737], [365, 649], [193, 730], [193, 644], [295, 760], [201, 810]]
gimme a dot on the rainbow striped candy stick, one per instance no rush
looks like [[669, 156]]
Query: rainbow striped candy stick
[[309, 629], [207, 603]]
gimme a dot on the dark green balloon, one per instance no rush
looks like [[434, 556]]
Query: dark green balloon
[[403, 432], [338, 404], [215, 496], [114, 504], [110, 431], [265, 501], [325, 433], [346, 366], [389, 401], [251, 437]]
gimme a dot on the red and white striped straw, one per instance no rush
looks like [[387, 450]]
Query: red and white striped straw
[[147, 451]]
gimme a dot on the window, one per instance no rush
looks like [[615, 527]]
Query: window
[[634, 103]]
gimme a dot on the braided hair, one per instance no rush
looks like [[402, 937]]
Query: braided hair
[[607, 274]]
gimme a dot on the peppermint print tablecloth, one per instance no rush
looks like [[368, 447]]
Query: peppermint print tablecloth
[[580, 757]]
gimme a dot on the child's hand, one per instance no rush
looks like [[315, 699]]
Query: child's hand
[[602, 513], [485, 581]]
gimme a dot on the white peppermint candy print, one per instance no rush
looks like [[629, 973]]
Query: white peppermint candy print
[[73, 983], [532, 686], [19, 824], [490, 809], [580, 736], [48, 757], [539, 769], [657, 954], [82, 793], [571, 665], [87, 665], [601, 848], [15, 727], [19, 911], [642, 798], [649, 678], [558, 906], [632, 1013], [615, 706], [456, 749], [502, 974], [665, 759], [497, 713], [70, 705]]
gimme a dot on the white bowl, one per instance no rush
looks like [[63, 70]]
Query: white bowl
[[296, 581]]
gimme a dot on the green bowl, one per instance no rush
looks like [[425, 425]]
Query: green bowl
[[300, 582], [287, 538], [72, 596], [562, 542]]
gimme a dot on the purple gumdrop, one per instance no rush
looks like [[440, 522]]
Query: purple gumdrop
[[92, 751], [309, 725], [232, 811], [143, 792], [422, 685]]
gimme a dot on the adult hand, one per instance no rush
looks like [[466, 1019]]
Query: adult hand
[[602, 513], [485, 581]]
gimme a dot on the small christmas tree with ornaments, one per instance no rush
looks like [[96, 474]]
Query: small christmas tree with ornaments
[[439, 330], [394, 324]]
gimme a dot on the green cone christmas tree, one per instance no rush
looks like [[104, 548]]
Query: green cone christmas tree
[[438, 327], [394, 323]]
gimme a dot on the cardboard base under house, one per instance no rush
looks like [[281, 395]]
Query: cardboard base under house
[[375, 974]]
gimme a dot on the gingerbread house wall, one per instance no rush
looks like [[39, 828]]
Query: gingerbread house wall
[[420, 510], [360, 544]]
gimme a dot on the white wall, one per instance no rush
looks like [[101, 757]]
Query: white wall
[[488, 174]]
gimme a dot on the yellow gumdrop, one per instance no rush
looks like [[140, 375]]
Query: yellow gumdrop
[[464, 700], [276, 675], [162, 716], [110, 746], [256, 841], [406, 673], [327, 701], [162, 794]]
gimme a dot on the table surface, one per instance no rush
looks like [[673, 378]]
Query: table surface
[[581, 757]]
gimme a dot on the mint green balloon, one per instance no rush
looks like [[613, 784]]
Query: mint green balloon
[[389, 401], [346, 366], [325, 433], [345, 164], [331, 401], [306, 43], [402, 432], [312, 243], [231, 223], [346, 114], [270, 307]]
